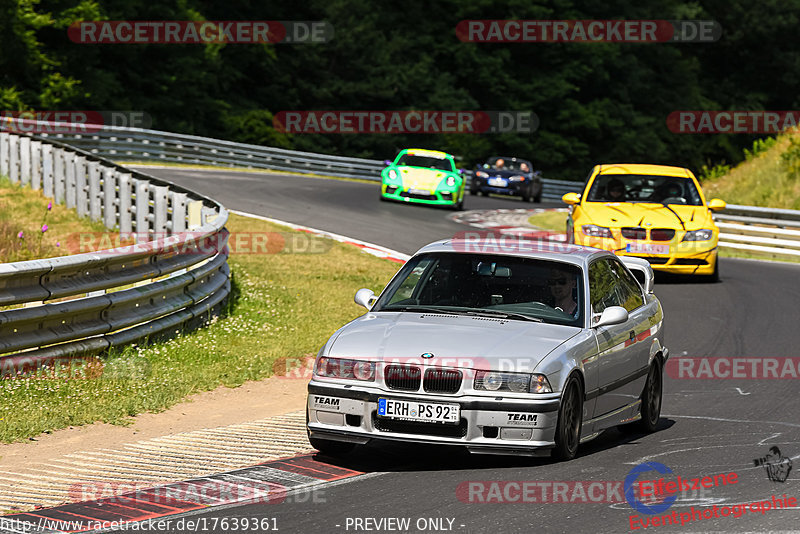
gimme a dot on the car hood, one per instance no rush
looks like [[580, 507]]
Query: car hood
[[455, 341], [421, 178], [619, 214]]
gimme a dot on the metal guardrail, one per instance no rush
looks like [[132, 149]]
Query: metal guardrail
[[766, 231], [762, 230], [137, 144], [173, 275]]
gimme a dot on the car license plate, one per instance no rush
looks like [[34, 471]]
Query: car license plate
[[646, 248], [419, 192], [428, 412], [498, 182]]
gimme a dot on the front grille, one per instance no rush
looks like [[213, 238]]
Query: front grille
[[634, 233], [442, 381], [657, 261], [426, 429], [403, 377], [662, 234], [406, 194]]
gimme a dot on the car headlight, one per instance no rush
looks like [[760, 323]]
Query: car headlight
[[392, 174], [451, 181], [345, 369], [517, 179], [699, 235], [513, 382], [481, 174], [592, 230]]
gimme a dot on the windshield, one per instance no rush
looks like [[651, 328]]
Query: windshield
[[506, 164], [492, 285], [425, 161], [644, 188]]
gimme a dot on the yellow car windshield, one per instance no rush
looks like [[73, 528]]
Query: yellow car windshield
[[644, 188]]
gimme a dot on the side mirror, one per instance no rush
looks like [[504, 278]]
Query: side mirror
[[365, 297], [387, 162], [716, 204], [611, 316], [461, 171], [571, 199], [641, 270]]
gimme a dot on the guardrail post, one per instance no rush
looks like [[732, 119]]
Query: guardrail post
[[13, 159], [47, 170], [142, 188], [25, 160], [178, 212], [94, 190], [81, 189], [109, 197], [69, 179], [195, 214], [160, 211], [125, 224], [36, 165], [4, 147], [60, 174]]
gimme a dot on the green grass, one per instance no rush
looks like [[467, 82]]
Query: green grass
[[288, 305], [768, 179], [555, 221], [24, 210]]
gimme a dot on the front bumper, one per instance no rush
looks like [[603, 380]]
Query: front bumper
[[513, 188], [689, 257], [439, 197], [489, 424]]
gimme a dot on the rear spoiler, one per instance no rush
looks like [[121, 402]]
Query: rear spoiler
[[641, 270]]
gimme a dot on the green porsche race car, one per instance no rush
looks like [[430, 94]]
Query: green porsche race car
[[425, 177]]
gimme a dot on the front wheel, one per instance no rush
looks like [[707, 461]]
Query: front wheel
[[570, 421], [714, 277]]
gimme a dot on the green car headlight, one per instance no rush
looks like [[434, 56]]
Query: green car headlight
[[451, 181], [392, 174]]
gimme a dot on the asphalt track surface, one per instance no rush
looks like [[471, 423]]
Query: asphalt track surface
[[708, 427]]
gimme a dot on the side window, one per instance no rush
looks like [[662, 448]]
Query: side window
[[630, 292], [603, 282], [406, 289]]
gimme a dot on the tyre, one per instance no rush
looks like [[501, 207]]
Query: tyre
[[526, 195], [458, 206], [473, 189], [570, 421], [538, 197], [331, 448], [651, 398], [714, 277]]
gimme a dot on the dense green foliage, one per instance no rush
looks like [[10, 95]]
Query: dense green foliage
[[596, 102]]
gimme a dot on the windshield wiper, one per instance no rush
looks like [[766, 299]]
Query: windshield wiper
[[416, 308], [504, 315]]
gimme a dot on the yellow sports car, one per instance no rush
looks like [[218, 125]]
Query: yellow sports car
[[653, 212]]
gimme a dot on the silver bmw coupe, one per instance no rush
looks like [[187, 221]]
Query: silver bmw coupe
[[504, 347]]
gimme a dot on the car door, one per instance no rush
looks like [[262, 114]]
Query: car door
[[617, 348]]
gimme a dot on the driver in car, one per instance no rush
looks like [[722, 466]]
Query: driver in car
[[562, 287], [615, 190], [500, 164]]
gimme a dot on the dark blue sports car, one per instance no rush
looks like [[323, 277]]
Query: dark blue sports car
[[507, 176]]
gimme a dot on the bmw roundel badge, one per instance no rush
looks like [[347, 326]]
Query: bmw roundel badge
[[427, 355]]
